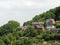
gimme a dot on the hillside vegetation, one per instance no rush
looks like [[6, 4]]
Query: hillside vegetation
[[11, 34], [52, 13]]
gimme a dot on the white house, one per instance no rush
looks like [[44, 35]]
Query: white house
[[50, 24]]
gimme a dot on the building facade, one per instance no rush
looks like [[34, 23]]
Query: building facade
[[38, 25], [50, 24]]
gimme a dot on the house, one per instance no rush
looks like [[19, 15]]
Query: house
[[50, 21], [50, 24], [38, 25]]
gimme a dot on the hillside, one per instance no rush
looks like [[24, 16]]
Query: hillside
[[12, 34], [52, 13]]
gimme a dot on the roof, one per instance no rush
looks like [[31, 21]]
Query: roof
[[37, 22], [49, 20], [52, 21]]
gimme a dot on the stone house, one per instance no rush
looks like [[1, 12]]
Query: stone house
[[38, 25]]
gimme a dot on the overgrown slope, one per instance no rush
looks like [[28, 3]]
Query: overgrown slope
[[52, 13]]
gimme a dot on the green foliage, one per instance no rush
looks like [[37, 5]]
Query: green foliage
[[58, 31], [36, 18], [52, 13], [11, 26], [19, 33], [57, 13], [46, 37], [24, 41], [1, 42], [35, 40], [28, 23], [57, 36], [58, 24], [30, 32], [10, 34], [39, 31]]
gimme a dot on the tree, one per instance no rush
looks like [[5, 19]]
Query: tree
[[57, 13], [57, 36], [52, 13], [28, 23], [1, 42], [24, 41], [11, 26], [5, 39], [58, 24], [46, 37], [30, 31]]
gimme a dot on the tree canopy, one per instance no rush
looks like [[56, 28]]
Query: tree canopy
[[52, 13]]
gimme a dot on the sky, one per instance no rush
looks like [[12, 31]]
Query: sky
[[24, 10]]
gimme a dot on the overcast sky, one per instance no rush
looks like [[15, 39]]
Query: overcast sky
[[23, 10]]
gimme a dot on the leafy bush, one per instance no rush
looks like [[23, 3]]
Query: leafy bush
[[57, 37], [1, 42], [24, 41], [35, 40], [10, 27], [46, 37], [58, 24], [31, 32]]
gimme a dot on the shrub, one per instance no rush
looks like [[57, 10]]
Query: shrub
[[24, 41], [57, 36], [1, 42], [46, 37], [31, 32], [58, 24]]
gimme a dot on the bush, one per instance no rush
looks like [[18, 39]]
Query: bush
[[57, 37], [24, 41], [39, 31], [46, 37], [1, 42], [58, 24], [31, 32], [35, 40], [39, 36]]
